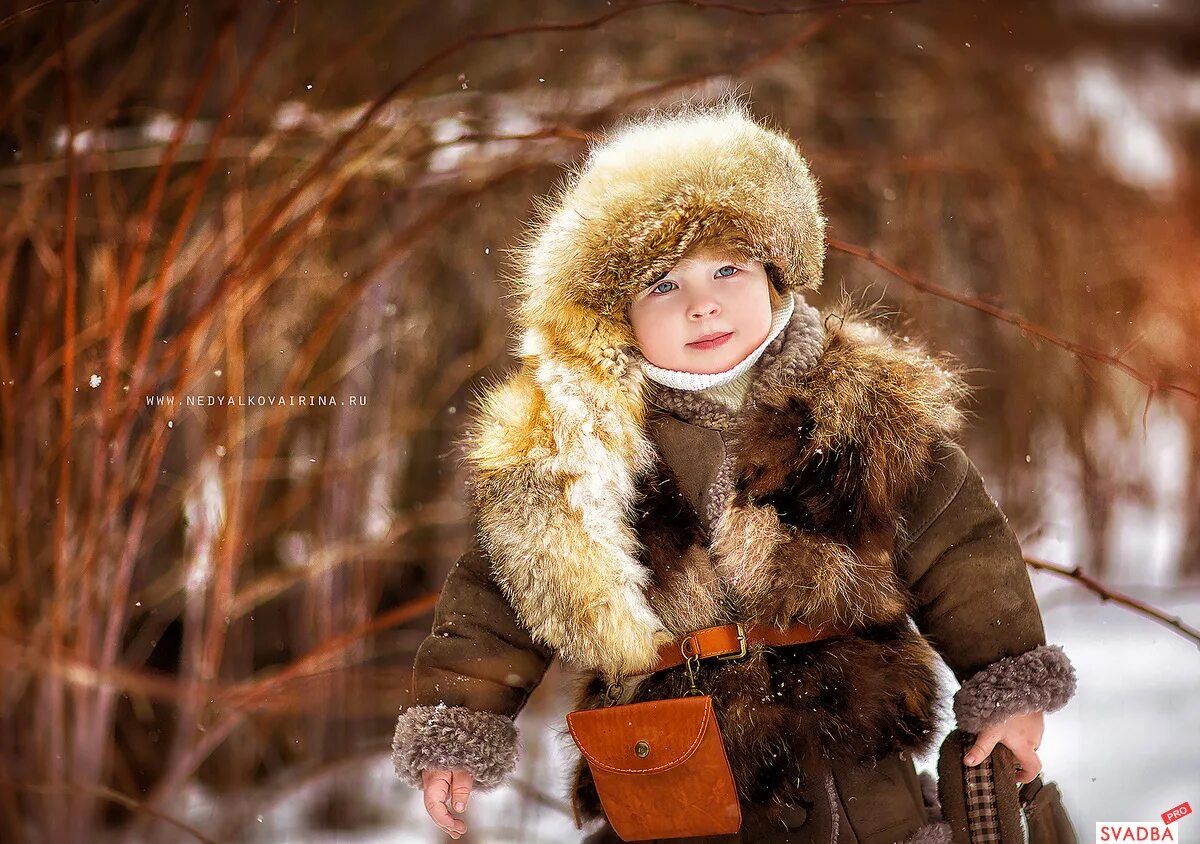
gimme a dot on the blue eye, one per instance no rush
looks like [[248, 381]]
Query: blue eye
[[655, 291], [726, 267]]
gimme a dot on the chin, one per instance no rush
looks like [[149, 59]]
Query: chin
[[707, 364]]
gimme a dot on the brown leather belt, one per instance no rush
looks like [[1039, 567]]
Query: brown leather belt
[[729, 641]]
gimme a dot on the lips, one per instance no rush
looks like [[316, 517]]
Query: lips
[[711, 341]]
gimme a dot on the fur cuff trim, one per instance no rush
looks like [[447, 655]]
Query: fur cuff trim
[[454, 738], [1040, 679], [932, 833]]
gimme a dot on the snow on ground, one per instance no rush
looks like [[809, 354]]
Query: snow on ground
[[1127, 748]]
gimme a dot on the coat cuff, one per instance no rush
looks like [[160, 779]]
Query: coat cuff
[[1041, 679], [454, 738]]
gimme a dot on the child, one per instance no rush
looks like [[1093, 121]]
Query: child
[[688, 444]]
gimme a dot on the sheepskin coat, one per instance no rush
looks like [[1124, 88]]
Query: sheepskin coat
[[851, 505], [843, 498]]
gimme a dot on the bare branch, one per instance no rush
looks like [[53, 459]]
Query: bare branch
[[1172, 622], [1084, 353]]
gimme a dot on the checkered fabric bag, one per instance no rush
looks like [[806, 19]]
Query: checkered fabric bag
[[983, 815], [984, 804]]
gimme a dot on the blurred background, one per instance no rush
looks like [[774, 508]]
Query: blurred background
[[252, 273]]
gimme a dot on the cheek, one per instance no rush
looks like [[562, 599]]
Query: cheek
[[657, 337], [639, 322], [644, 325], [755, 314]]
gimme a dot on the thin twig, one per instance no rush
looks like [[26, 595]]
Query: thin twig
[[1106, 593], [58, 759], [1081, 351], [36, 7], [88, 35], [108, 794]]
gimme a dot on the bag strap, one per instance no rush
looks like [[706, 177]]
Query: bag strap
[[730, 641]]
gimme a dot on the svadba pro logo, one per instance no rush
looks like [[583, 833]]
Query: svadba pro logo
[[1148, 831], [1164, 830]]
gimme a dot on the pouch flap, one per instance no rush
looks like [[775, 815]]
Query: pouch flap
[[666, 731]]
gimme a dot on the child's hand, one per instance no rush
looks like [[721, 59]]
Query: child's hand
[[1022, 734], [441, 786]]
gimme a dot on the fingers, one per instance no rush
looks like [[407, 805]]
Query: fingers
[[982, 748], [1028, 765], [460, 789], [437, 790]]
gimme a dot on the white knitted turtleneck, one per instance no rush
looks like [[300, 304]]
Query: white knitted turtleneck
[[733, 393], [728, 387]]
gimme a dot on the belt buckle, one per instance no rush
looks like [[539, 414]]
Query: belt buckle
[[741, 634]]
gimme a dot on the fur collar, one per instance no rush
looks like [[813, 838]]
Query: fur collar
[[559, 452]]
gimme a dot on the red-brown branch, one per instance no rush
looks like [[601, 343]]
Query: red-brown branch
[[1108, 594], [1084, 353], [57, 759]]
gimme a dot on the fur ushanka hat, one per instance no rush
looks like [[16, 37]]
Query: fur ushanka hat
[[556, 450], [658, 185]]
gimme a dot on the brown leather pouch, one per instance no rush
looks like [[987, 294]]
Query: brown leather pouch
[[660, 768]]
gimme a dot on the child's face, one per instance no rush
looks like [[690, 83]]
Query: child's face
[[707, 293]]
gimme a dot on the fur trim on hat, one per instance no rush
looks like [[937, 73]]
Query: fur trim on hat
[[446, 738], [933, 833], [1040, 679]]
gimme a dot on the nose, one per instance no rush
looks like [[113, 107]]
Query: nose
[[704, 309]]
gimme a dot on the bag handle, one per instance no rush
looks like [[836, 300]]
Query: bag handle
[[980, 802]]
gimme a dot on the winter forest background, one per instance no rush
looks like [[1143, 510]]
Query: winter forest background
[[208, 613]]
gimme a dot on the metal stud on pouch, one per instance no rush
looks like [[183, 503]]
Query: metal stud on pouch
[[642, 749]]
